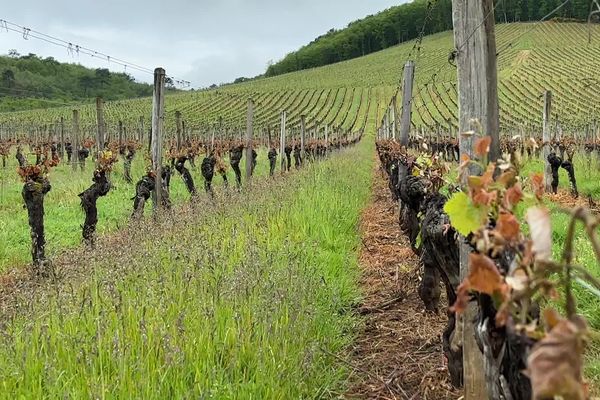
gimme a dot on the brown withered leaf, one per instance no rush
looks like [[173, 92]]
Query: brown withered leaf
[[488, 175], [482, 146], [518, 281], [464, 161], [474, 182], [484, 276], [537, 182], [541, 232], [513, 196], [508, 226], [483, 197], [551, 318], [506, 178], [556, 362], [462, 297], [502, 315]]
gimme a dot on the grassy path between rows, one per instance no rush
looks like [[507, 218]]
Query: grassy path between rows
[[64, 215], [588, 304], [244, 299]]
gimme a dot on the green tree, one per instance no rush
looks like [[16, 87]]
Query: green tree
[[8, 78], [102, 76], [87, 83]]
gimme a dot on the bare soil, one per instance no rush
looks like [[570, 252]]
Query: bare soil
[[398, 354]]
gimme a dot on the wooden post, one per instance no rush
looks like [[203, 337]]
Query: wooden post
[[120, 133], [212, 138], [178, 127], [62, 137], [546, 138], [594, 10], [249, 132], [302, 137], [386, 124], [141, 137], [100, 138], [75, 140], [158, 119], [475, 44], [282, 142], [393, 116], [407, 100]]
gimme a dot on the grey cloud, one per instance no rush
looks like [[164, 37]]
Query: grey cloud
[[204, 42]]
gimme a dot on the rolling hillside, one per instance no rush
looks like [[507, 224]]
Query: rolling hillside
[[29, 81], [532, 58]]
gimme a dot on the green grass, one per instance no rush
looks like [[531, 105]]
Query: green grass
[[64, 215], [240, 300], [588, 182], [588, 304]]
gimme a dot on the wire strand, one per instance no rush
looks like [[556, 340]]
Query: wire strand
[[77, 49]]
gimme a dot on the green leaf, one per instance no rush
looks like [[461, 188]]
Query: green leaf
[[465, 216]]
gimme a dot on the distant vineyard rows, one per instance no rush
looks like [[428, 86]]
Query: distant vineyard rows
[[532, 59]]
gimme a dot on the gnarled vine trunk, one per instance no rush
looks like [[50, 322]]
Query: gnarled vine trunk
[[128, 156], [568, 166], [208, 171], [297, 157], [143, 191], [89, 197], [235, 156], [288, 157], [20, 158], [34, 191], [272, 155], [185, 175], [555, 163]]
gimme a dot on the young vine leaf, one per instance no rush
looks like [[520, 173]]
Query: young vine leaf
[[465, 216]]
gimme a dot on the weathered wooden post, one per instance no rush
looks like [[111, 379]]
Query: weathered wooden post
[[386, 125], [141, 133], [475, 44], [546, 139], [212, 137], [407, 88], [100, 137], [594, 10], [120, 133], [158, 119], [302, 137], [393, 117], [178, 129], [282, 141], [62, 137], [249, 144], [75, 140]]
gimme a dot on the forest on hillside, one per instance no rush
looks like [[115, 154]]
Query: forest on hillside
[[29, 81], [406, 22]]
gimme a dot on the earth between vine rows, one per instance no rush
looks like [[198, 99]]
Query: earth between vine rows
[[398, 353]]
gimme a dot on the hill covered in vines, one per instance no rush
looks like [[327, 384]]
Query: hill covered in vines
[[532, 58], [407, 22]]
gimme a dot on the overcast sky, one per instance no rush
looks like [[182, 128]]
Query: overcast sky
[[201, 41]]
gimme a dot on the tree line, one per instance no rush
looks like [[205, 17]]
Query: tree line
[[29, 81], [406, 22]]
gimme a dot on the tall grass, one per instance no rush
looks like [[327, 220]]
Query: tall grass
[[64, 215], [588, 304], [244, 299]]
